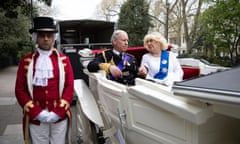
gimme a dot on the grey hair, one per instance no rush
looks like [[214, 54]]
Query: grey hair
[[116, 34], [34, 37]]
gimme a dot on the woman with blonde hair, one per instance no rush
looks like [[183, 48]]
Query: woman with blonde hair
[[159, 64]]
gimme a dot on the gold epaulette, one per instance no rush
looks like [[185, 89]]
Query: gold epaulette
[[27, 60], [62, 59]]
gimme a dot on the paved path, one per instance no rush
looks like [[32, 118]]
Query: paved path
[[11, 112], [7, 85], [11, 115]]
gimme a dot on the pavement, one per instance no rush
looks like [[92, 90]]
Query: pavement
[[11, 112]]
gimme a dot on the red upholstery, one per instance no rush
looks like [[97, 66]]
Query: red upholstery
[[190, 72], [138, 52]]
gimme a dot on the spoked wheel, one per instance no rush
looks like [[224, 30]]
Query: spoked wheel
[[97, 134], [87, 131]]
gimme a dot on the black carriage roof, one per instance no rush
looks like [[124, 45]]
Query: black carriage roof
[[85, 24]]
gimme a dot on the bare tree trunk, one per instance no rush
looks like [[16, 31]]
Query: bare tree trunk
[[195, 25], [185, 24]]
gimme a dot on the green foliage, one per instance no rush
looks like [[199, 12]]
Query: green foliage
[[220, 28], [11, 8], [14, 35], [134, 19], [15, 18], [15, 21]]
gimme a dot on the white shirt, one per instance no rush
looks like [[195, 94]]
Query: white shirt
[[44, 68], [175, 72]]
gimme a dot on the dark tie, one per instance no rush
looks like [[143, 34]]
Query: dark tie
[[120, 55]]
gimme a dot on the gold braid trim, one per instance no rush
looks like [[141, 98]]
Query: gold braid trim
[[64, 103], [105, 67], [28, 105], [112, 62], [104, 56]]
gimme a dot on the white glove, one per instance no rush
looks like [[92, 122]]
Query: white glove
[[42, 116], [52, 117]]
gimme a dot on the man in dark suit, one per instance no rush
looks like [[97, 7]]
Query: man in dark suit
[[118, 65]]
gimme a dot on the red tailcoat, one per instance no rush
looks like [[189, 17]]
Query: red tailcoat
[[44, 97]]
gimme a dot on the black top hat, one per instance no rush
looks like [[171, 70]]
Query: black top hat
[[43, 24]]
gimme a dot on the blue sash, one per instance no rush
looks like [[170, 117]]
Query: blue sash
[[122, 63], [163, 71]]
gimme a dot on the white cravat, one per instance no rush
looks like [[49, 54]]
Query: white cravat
[[43, 69]]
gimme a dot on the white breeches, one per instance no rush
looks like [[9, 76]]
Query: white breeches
[[49, 133]]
